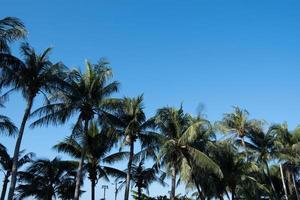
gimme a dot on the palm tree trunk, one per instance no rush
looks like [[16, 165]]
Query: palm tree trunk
[[233, 193], [283, 182], [128, 176], [269, 177], [139, 193], [172, 194], [227, 195], [200, 193], [289, 181], [295, 186], [81, 162], [93, 184], [17, 150], [5, 182]]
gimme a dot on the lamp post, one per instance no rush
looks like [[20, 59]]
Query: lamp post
[[104, 187]]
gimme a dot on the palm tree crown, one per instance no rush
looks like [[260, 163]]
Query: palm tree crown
[[85, 94], [98, 145], [178, 133], [11, 29], [6, 162], [130, 121], [33, 75], [46, 179]]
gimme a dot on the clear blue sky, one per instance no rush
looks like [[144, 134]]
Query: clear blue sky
[[219, 53]]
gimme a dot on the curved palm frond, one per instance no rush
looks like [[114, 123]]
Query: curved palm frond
[[11, 29]]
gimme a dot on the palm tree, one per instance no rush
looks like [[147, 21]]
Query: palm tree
[[85, 95], [238, 123], [262, 144], [288, 150], [34, 75], [207, 183], [46, 179], [6, 165], [177, 153], [11, 29], [98, 145], [235, 169], [130, 120], [142, 177]]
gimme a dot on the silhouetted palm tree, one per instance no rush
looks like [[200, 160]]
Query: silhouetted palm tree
[[130, 120], [98, 145], [85, 95], [47, 179], [34, 75], [142, 177], [6, 164]]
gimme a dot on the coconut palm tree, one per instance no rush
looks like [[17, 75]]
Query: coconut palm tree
[[207, 183], [262, 145], [142, 177], [46, 179], [11, 29], [98, 145], [86, 95], [130, 121], [238, 123], [6, 165], [235, 169], [177, 153], [288, 150], [34, 75]]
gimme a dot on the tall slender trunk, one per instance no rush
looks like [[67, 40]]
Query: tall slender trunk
[[269, 177], [81, 162], [172, 194], [128, 176], [283, 182], [233, 193], [5, 182], [289, 181], [116, 189], [200, 193], [139, 193], [93, 185], [14, 169], [295, 186], [227, 195]]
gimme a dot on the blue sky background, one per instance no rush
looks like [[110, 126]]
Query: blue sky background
[[219, 53]]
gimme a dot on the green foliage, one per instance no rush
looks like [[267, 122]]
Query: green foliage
[[145, 197]]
